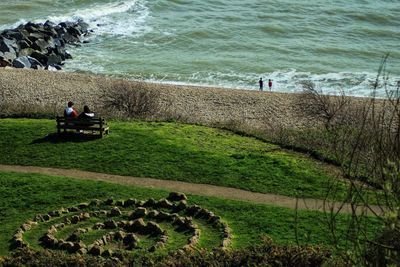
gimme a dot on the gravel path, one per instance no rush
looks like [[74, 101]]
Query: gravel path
[[196, 189]]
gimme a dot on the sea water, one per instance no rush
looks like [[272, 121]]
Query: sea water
[[337, 45]]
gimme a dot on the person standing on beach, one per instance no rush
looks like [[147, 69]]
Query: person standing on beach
[[270, 84], [261, 83]]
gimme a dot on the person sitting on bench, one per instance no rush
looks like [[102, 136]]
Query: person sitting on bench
[[86, 114], [70, 111]]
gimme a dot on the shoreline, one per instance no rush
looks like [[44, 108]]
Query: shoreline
[[26, 91]]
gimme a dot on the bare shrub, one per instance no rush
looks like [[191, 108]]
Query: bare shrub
[[323, 107], [131, 100], [364, 136]]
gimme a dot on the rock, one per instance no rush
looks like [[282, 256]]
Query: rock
[[153, 214], [83, 206], [151, 202], [138, 213], [164, 216], [107, 253], [73, 209], [84, 216], [7, 45], [130, 202], [40, 45], [46, 217], [111, 224], [119, 203], [181, 205], [193, 210], [95, 202], [19, 243], [138, 225], [95, 250], [131, 241], [153, 228], [109, 201], [99, 226], [8, 56], [24, 44], [73, 237], [120, 235], [121, 224], [55, 213], [115, 212], [54, 67], [35, 64], [164, 203], [82, 251], [176, 196], [4, 63], [75, 219]]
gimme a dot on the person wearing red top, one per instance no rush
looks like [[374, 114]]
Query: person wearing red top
[[70, 111], [270, 84]]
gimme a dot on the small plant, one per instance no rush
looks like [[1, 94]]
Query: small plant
[[131, 100]]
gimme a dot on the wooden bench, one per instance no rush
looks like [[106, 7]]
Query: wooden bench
[[90, 124]]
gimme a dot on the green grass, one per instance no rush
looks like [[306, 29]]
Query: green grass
[[24, 195], [168, 151]]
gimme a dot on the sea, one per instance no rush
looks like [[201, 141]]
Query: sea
[[336, 45]]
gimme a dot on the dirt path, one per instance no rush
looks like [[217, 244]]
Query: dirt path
[[196, 189]]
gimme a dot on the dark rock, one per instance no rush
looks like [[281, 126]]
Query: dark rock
[[99, 226], [21, 62], [111, 224], [119, 203], [74, 32], [75, 219], [120, 235], [130, 202], [46, 217], [109, 201], [35, 64], [151, 202], [73, 209], [24, 44], [83, 206], [7, 45], [83, 26], [176, 196], [107, 253], [95, 250], [42, 58], [115, 212], [138, 213], [40, 45], [131, 240], [164, 203], [69, 38], [54, 67]]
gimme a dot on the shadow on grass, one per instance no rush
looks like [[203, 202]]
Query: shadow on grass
[[65, 138]]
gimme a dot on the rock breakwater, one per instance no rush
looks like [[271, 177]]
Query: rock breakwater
[[40, 45]]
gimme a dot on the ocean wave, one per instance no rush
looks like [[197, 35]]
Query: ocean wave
[[126, 17]]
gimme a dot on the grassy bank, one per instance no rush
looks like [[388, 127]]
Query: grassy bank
[[24, 195], [168, 151]]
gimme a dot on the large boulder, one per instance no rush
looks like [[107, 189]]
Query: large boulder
[[21, 62], [7, 45]]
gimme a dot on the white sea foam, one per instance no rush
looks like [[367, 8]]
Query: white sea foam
[[124, 18]]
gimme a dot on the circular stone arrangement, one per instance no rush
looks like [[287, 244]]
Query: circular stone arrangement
[[118, 227]]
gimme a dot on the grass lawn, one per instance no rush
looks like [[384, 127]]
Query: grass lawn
[[24, 195], [171, 151]]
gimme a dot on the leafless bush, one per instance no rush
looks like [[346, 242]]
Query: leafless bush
[[131, 100], [364, 136], [323, 107]]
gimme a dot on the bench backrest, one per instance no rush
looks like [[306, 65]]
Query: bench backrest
[[76, 121]]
